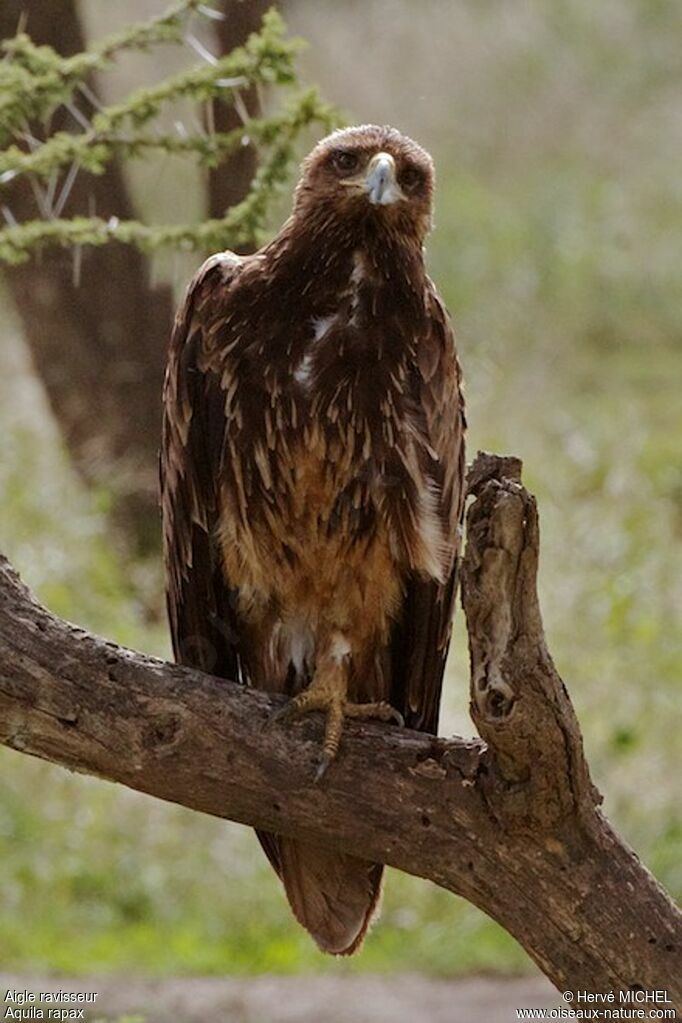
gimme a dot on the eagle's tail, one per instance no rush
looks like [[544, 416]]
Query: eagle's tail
[[332, 895]]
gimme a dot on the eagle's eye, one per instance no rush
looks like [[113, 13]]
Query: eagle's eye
[[411, 179], [345, 161]]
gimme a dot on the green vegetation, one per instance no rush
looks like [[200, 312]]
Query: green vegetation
[[35, 80], [554, 253]]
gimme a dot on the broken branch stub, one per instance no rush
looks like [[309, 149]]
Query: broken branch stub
[[518, 702]]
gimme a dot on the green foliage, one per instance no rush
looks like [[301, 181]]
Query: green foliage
[[35, 81]]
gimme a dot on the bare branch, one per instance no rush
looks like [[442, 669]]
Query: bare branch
[[518, 701], [513, 826]]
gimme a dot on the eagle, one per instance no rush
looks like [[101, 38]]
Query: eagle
[[312, 476]]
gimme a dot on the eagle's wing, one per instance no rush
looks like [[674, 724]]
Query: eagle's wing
[[421, 636], [200, 609], [201, 605]]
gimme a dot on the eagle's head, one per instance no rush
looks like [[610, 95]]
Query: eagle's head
[[368, 176]]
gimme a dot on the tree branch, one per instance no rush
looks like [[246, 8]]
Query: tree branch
[[512, 826]]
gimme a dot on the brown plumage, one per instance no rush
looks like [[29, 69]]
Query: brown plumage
[[313, 474]]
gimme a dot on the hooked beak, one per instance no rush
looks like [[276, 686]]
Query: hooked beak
[[380, 183]]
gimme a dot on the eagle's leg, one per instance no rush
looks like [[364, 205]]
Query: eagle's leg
[[328, 692]]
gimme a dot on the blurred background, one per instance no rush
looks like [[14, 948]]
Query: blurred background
[[556, 130]]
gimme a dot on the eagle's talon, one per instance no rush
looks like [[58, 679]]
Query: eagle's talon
[[282, 715], [322, 767]]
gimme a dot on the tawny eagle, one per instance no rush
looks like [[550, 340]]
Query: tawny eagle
[[313, 475]]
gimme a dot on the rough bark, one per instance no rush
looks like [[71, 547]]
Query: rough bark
[[512, 824]]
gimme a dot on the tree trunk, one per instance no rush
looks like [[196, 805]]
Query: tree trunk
[[512, 824], [97, 336], [98, 330]]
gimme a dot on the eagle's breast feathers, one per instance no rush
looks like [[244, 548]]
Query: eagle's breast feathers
[[330, 488]]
